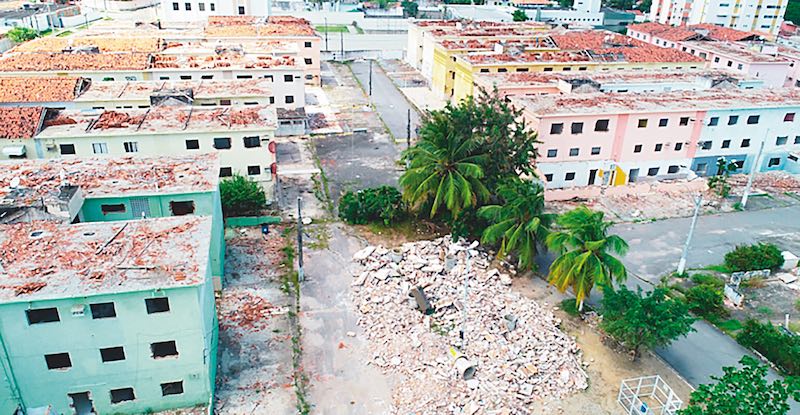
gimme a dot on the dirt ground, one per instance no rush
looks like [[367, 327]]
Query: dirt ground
[[254, 356]]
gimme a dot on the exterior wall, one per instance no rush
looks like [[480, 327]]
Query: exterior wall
[[748, 15], [237, 157], [205, 204], [774, 74], [191, 309], [414, 48], [30, 147]]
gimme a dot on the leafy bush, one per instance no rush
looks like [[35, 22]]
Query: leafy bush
[[241, 196], [705, 300], [781, 349], [383, 203], [710, 280], [570, 306], [21, 34], [754, 257]]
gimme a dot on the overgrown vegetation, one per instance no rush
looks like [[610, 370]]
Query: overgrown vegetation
[[241, 196], [377, 204], [637, 321], [707, 279], [754, 257], [743, 391], [410, 8], [706, 301], [519, 15], [571, 307], [780, 348], [21, 34], [793, 11], [290, 285], [719, 183]]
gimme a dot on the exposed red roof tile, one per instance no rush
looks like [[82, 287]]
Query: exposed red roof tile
[[39, 89], [70, 62], [19, 122]]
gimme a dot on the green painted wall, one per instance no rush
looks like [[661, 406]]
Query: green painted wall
[[206, 204], [191, 322]]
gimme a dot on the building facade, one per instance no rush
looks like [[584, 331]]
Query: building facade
[[129, 284], [763, 16]]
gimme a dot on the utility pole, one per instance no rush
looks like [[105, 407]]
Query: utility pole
[[300, 275], [464, 302], [753, 170], [341, 43], [698, 200], [408, 129], [370, 77], [326, 34]]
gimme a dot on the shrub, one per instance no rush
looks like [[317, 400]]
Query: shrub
[[781, 349], [710, 280], [241, 196], [21, 34], [705, 300], [754, 257], [383, 204], [570, 306]]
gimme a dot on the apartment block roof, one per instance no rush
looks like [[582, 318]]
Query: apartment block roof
[[542, 41], [50, 260], [201, 89], [42, 180], [678, 101], [693, 32], [251, 26], [224, 60], [623, 76], [20, 122], [745, 52], [159, 120], [30, 62], [248, 46], [40, 89], [54, 44]]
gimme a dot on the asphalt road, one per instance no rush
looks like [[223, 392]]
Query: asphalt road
[[655, 249], [387, 99]]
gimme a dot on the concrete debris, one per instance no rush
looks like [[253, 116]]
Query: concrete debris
[[516, 363]]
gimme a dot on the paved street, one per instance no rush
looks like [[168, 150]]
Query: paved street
[[390, 103], [655, 250]]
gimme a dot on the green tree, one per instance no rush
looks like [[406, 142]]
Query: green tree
[[793, 11], [410, 8], [519, 15], [464, 151], [706, 301], [21, 34], [719, 182], [519, 221], [241, 196], [566, 3], [649, 321], [754, 257], [445, 167], [744, 391], [585, 253], [644, 5], [374, 204]]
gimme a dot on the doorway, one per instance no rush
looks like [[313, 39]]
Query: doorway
[[592, 176], [82, 403]]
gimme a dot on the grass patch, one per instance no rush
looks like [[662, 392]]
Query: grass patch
[[64, 33], [706, 279], [570, 306], [407, 228], [332, 28], [730, 326], [722, 268]]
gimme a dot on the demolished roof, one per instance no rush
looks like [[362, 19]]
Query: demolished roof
[[41, 180], [251, 26], [49, 260], [40, 89], [693, 32], [20, 122], [160, 120], [102, 43], [200, 89], [676, 101], [661, 76], [41, 62]]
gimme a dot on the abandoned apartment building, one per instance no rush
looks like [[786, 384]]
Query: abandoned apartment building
[[107, 317], [243, 137], [115, 189]]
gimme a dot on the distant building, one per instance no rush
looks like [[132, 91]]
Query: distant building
[[107, 318], [764, 16]]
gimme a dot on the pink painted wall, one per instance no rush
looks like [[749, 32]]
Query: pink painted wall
[[651, 135], [566, 140]]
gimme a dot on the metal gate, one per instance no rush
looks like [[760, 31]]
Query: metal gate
[[140, 207]]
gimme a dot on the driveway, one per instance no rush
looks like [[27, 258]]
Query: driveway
[[387, 99]]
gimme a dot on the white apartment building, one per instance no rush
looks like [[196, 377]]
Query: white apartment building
[[763, 16], [243, 137]]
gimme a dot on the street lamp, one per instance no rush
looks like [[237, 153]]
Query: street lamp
[[454, 250]]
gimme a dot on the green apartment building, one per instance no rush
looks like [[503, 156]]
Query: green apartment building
[[107, 318]]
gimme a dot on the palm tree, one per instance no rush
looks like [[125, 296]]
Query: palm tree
[[520, 222], [445, 167], [584, 249]]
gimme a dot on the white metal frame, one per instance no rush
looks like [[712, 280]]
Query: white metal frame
[[631, 392]]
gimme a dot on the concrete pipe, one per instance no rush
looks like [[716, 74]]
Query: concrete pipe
[[465, 368], [423, 305]]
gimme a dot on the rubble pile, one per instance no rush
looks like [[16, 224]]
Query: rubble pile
[[775, 181], [518, 351]]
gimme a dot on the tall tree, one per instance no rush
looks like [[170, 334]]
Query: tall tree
[[241, 196], [650, 321], [445, 166], [585, 253], [519, 15], [744, 391], [519, 221]]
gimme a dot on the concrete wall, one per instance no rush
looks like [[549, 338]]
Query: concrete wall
[[191, 323]]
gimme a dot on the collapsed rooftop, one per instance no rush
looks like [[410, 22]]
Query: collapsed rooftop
[[42, 181], [200, 89], [20, 122], [252, 26], [703, 31], [230, 60], [616, 103], [50, 260], [159, 120], [88, 44], [41, 89], [747, 52], [43, 62], [601, 77]]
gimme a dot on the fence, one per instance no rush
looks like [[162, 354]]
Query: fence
[[662, 400]]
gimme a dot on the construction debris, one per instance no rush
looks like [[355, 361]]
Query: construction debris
[[518, 352]]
